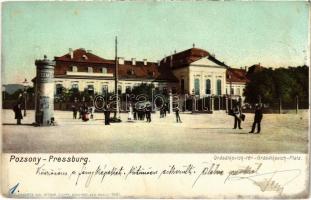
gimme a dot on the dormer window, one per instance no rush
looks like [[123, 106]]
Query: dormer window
[[74, 68], [130, 72], [90, 69], [104, 70], [84, 57]]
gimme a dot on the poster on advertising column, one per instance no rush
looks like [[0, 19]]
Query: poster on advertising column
[[155, 99]]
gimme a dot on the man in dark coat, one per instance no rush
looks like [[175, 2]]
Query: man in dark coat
[[75, 111], [177, 115], [18, 113], [107, 115], [257, 119], [237, 115], [148, 114]]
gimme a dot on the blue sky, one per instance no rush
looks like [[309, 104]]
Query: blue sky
[[238, 33]]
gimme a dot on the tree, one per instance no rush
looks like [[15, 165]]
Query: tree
[[143, 88], [281, 83]]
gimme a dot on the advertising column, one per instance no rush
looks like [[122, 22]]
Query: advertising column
[[45, 92]]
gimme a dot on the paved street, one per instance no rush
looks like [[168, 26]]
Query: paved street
[[199, 133]]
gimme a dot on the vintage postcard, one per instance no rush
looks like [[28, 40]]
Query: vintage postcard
[[155, 99]]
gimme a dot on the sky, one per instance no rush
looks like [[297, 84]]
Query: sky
[[240, 34]]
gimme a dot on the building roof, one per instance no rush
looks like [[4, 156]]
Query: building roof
[[185, 58], [81, 55], [237, 75], [125, 71]]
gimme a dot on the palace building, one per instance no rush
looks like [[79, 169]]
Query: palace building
[[193, 71]]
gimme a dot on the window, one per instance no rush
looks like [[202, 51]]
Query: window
[[208, 86], [90, 70], [218, 87], [165, 90], [74, 68], [232, 91], [59, 89], [104, 70], [90, 89], [197, 86], [105, 89], [119, 89], [182, 86], [128, 89], [75, 86], [130, 72], [174, 90]]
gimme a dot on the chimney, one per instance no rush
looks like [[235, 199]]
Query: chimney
[[121, 60], [71, 53], [145, 61], [193, 45], [133, 61]]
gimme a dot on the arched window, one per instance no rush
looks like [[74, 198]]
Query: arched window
[[75, 86], [182, 86], [59, 89], [208, 86], [197, 86], [232, 91], [90, 89], [119, 89], [105, 89], [128, 89], [218, 87]]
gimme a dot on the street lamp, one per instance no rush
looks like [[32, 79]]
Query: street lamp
[[230, 89], [25, 83]]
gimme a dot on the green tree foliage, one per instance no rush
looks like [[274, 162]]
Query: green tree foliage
[[143, 88], [281, 83]]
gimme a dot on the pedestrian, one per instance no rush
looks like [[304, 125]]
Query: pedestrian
[[85, 113], [161, 112], [92, 111], [80, 111], [165, 109], [177, 115], [148, 114], [135, 112], [74, 111], [18, 113], [257, 119], [107, 114], [237, 116]]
